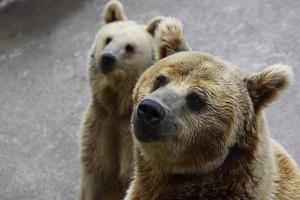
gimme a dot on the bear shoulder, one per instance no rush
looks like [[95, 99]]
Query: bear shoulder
[[287, 178]]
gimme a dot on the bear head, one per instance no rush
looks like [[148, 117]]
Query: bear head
[[191, 109], [121, 51]]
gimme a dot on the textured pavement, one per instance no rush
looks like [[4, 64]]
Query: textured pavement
[[44, 89]]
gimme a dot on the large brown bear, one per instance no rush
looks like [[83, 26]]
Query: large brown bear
[[200, 131], [121, 51]]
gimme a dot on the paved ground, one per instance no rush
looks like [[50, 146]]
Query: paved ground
[[43, 82]]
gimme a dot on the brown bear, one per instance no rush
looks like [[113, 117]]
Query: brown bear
[[200, 132], [122, 50]]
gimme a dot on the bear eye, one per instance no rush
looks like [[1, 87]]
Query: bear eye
[[195, 101], [108, 40], [129, 48], [160, 81]]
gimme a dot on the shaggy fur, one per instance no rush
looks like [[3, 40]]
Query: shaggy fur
[[220, 147], [169, 39], [106, 147]]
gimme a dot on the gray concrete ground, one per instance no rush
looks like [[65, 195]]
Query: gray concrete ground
[[44, 89]]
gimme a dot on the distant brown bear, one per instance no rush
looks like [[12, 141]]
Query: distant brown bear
[[200, 131], [121, 51]]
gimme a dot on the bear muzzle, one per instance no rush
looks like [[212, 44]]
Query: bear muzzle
[[107, 63], [149, 114]]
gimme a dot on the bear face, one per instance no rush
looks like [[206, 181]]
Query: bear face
[[122, 47], [188, 110], [121, 51], [192, 109]]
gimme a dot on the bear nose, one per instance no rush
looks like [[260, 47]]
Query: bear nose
[[108, 61], [150, 113]]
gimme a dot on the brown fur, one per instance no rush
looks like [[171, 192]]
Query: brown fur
[[222, 152], [106, 147], [170, 39]]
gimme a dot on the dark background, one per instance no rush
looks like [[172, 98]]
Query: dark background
[[44, 89]]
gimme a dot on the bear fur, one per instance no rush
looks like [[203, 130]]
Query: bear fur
[[204, 134], [106, 143]]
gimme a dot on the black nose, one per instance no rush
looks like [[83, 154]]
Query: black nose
[[108, 61], [150, 113]]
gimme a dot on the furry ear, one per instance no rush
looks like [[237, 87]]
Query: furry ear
[[153, 24], [113, 11], [169, 38], [266, 86]]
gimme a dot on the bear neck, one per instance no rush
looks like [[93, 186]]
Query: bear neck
[[115, 97], [245, 171]]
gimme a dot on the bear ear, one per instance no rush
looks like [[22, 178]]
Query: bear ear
[[153, 24], [113, 11], [266, 86], [169, 38]]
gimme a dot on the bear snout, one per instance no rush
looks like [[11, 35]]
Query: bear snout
[[147, 120], [107, 62], [150, 112]]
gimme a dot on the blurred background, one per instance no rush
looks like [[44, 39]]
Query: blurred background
[[44, 89]]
